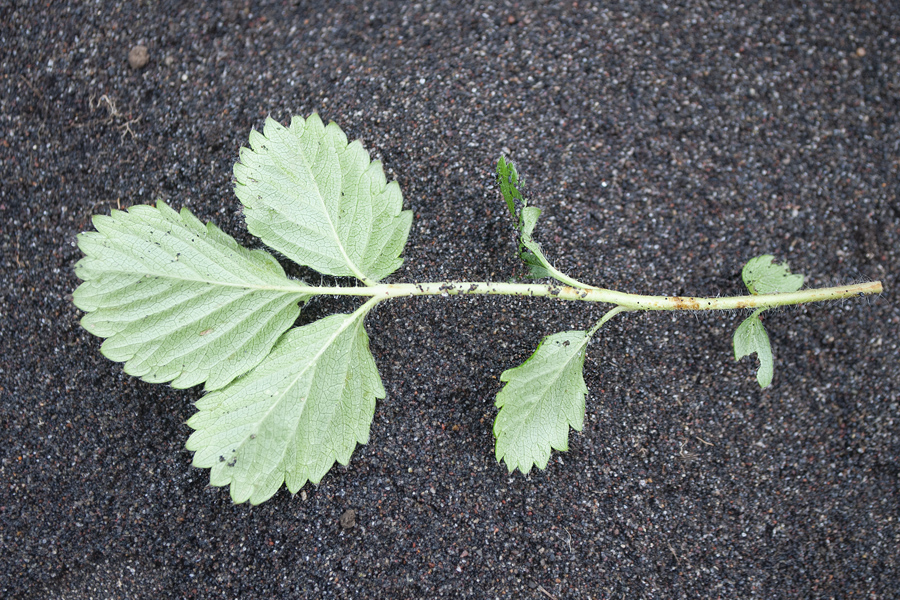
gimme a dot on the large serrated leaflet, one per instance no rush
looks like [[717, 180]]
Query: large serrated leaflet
[[178, 300], [287, 421], [320, 201]]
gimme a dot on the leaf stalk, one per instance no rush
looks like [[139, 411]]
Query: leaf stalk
[[630, 302]]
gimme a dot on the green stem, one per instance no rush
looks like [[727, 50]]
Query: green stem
[[609, 315], [632, 302], [365, 308]]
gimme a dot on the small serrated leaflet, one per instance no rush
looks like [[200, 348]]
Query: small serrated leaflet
[[751, 337], [762, 275], [542, 398]]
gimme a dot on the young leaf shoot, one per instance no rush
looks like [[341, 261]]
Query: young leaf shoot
[[529, 250]]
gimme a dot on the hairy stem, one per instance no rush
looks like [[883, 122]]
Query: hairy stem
[[609, 315], [631, 302]]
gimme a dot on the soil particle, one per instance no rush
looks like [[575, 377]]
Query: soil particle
[[138, 57], [348, 519]]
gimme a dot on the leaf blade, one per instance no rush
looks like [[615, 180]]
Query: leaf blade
[[180, 301], [292, 417], [542, 398], [320, 201], [508, 179], [751, 337], [762, 275]]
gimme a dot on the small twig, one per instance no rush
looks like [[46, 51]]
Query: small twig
[[127, 127], [568, 541], [549, 595], [18, 262], [31, 86], [112, 110], [685, 454], [672, 550]]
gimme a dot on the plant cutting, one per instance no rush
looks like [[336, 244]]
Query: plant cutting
[[182, 302]]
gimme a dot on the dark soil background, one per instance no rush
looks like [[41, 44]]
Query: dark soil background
[[667, 144]]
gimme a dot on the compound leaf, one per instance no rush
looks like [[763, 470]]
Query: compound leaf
[[542, 398], [287, 421], [178, 300], [320, 201], [751, 337], [762, 275]]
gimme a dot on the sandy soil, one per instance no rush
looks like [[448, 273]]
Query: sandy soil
[[667, 144]]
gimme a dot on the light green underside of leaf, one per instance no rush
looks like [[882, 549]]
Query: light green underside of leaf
[[538, 264], [178, 300], [292, 417], [542, 398], [320, 201], [762, 275], [751, 337]]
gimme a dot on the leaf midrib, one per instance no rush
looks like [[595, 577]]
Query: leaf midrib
[[279, 164], [311, 363], [241, 285]]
